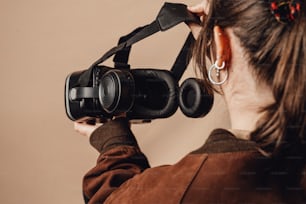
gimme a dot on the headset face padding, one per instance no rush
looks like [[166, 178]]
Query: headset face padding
[[194, 100], [156, 94]]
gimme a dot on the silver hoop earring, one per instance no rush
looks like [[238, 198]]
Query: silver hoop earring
[[217, 69]]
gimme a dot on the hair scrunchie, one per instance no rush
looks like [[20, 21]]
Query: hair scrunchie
[[285, 11]]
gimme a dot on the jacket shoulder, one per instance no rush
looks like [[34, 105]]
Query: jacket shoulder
[[163, 184]]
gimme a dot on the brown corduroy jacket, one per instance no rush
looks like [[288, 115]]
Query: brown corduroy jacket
[[224, 170]]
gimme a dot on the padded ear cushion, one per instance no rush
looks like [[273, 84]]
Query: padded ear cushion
[[194, 100], [156, 94]]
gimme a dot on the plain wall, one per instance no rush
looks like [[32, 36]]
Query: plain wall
[[42, 158]]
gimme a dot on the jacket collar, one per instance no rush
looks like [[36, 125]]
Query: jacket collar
[[221, 141]]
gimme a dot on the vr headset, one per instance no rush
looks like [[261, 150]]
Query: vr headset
[[100, 92]]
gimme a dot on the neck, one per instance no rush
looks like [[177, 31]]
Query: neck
[[245, 99], [244, 95]]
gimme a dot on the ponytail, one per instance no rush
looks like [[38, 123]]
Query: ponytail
[[282, 130]]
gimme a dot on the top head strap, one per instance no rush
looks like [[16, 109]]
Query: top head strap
[[170, 15]]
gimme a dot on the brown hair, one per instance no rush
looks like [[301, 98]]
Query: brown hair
[[277, 52]]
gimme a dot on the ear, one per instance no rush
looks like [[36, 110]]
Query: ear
[[222, 45]]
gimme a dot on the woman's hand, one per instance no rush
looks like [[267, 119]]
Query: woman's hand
[[85, 129], [201, 10]]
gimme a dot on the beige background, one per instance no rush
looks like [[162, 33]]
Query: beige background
[[42, 41]]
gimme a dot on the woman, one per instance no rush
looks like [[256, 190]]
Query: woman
[[258, 52]]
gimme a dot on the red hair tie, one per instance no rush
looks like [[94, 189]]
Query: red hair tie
[[285, 11]]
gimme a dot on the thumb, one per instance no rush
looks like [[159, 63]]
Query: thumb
[[85, 129]]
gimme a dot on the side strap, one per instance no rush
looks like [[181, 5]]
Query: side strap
[[183, 59]]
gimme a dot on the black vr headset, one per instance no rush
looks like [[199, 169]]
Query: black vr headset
[[102, 92]]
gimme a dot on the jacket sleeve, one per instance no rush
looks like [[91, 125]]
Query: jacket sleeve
[[120, 159]]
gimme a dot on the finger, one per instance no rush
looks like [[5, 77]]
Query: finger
[[200, 9]]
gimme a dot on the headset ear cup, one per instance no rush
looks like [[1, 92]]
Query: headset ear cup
[[195, 100]]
